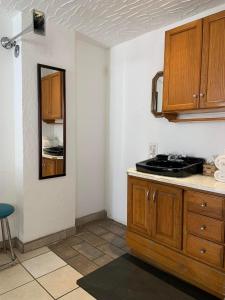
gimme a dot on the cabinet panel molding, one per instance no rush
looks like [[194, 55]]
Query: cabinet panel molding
[[213, 62], [167, 215], [182, 66], [138, 206]]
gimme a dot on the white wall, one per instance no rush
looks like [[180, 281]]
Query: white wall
[[132, 127], [48, 205], [91, 83], [7, 143]]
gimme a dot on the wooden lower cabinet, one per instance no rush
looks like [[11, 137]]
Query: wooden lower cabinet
[[178, 230], [167, 215], [155, 210], [138, 206], [51, 167]]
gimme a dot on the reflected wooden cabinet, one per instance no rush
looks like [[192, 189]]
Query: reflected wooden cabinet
[[51, 91], [51, 167], [155, 210], [194, 65]]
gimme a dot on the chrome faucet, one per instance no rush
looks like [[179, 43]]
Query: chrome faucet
[[174, 157]]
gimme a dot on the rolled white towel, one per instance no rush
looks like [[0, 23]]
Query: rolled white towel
[[220, 162], [220, 175]]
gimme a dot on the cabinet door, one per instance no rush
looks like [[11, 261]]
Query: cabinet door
[[182, 67], [48, 167], [138, 205], [59, 166], [56, 96], [213, 62], [167, 215], [45, 98]]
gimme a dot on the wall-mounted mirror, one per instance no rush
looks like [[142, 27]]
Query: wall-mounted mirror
[[52, 121], [157, 95]]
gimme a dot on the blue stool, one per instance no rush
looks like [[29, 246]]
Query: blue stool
[[5, 211]]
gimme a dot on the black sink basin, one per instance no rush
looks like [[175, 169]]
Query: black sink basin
[[172, 166]]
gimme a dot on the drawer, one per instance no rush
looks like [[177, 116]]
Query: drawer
[[204, 250], [205, 204], [205, 227]]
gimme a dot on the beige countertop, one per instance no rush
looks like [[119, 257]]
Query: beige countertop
[[52, 156], [198, 182]]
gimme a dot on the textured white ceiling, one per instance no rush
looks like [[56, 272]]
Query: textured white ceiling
[[111, 22]]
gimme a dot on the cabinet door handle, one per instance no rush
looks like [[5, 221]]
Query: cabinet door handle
[[204, 204], [195, 96], [202, 94], [147, 194], [202, 251], [154, 196], [203, 227]]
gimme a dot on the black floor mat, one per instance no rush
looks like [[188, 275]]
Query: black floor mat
[[128, 278]]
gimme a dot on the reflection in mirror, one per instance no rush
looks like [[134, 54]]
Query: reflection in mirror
[[52, 119], [157, 95]]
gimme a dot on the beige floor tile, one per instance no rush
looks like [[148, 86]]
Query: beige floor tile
[[29, 291], [61, 281], [78, 294], [43, 264], [28, 255], [13, 277]]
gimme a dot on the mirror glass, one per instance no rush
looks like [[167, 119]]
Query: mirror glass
[[159, 90], [157, 95], [52, 120]]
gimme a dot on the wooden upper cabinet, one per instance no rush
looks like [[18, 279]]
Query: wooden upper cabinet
[[138, 205], [46, 95], [56, 96], [194, 66], [213, 62], [182, 67], [51, 86], [167, 215]]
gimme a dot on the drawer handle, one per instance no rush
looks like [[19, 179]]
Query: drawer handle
[[202, 251], [203, 227], [204, 204]]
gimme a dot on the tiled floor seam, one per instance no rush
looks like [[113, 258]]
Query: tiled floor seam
[[93, 247], [106, 242], [17, 287], [68, 292], [100, 241], [51, 294], [31, 257], [35, 279]]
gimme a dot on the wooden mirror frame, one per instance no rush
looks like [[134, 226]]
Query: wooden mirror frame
[[39, 67], [154, 102]]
